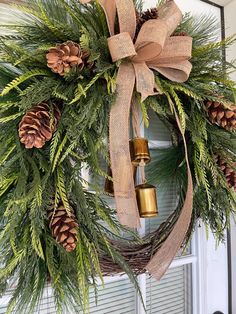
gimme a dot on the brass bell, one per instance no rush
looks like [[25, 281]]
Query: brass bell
[[109, 186], [147, 200], [139, 151]]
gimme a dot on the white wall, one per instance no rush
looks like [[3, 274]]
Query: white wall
[[195, 6], [230, 19]]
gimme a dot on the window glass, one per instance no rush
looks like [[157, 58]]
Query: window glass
[[172, 295]]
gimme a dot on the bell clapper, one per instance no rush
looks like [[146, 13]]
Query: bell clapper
[[142, 165]]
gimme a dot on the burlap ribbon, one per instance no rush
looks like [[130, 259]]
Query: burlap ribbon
[[153, 49]]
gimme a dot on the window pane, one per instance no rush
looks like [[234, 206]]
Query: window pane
[[157, 131], [166, 200], [172, 295], [116, 298], [46, 305]]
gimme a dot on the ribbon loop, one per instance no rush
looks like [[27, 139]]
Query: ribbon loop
[[176, 72], [171, 15], [150, 41], [121, 46], [176, 49], [127, 16]]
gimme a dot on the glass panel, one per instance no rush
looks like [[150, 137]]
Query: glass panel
[[172, 295], [117, 297], [157, 131], [46, 305], [166, 200]]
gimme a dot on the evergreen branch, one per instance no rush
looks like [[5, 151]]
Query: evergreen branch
[[61, 188], [10, 118], [82, 91], [59, 150], [7, 271], [21, 79], [180, 109], [7, 153]]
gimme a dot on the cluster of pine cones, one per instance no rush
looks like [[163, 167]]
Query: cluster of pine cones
[[39, 123], [37, 127]]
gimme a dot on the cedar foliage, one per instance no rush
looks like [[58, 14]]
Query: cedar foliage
[[29, 179]]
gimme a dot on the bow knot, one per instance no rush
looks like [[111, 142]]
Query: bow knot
[[155, 49]]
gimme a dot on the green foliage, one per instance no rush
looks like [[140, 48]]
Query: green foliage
[[21, 79]]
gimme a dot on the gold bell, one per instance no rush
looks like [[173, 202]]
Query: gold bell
[[139, 151], [109, 186], [147, 200]]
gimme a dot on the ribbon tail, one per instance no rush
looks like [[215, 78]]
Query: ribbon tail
[[171, 15], [161, 261], [125, 197], [145, 80]]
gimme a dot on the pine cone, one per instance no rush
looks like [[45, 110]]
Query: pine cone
[[37, 126], [64, 227], [218, 113], [150, 14], [230, 174], [180, 34], [65, 56]]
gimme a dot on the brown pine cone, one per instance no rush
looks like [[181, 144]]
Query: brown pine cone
[[180, 34], [218, 113], [65, 56], [230, 174], [37, 126], [150, 14], [64, 227]]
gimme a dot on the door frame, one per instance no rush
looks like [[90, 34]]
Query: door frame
[[229, 233]]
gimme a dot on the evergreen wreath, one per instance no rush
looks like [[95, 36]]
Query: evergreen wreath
[[58, 84]]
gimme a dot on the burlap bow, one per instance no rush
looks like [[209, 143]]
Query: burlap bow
[[153, 49]]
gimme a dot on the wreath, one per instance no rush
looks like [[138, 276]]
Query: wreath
[[70, 73]]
